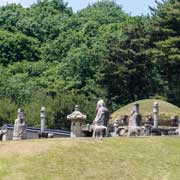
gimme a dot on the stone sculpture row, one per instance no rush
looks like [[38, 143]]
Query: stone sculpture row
[[100, 125], [135, 128], [19, 131]]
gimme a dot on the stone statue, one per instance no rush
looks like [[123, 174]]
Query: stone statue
[[116, 128], [101, 120], [102, 114], [3, 133], [19, 126], [134, 126], [135, 118], [148, 124]]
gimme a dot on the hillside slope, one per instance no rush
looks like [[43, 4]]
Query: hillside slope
[[86, 159], [166, 110]]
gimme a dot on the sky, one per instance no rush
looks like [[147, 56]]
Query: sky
[[134, 7]]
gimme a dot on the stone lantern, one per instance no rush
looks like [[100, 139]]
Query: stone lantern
[[77, 119]]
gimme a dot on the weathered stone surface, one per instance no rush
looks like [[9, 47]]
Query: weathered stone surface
[[77, 118], [156, 112], [134, 127], [3, 133], [19, 126], [178, 130], [99, 131], [101, 120], [135, 118], [43, 118], [148, 125], [116, 128], [102, 114]]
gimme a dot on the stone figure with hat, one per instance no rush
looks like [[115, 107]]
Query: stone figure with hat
[[19, 126], [101, 120]]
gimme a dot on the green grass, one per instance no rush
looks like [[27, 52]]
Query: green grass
[[166, 110], [153, 158]]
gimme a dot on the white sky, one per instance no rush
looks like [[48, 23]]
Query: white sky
[[135, 7]]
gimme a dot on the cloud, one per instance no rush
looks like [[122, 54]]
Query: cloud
[[25, 3], [4, 2]]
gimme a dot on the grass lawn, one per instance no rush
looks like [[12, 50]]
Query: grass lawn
[[153, 158]]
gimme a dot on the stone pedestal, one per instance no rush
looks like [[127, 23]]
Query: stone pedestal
[[4, 137], [155, 132], [77, 119]]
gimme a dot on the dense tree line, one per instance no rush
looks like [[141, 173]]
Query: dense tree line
[[53, 57]]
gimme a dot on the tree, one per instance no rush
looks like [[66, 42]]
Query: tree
[[43, 19], [10, 15], [17, 47], [165, 34], [127, 67]]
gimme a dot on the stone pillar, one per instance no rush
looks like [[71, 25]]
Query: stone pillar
[[43, 119], [136, 108], [116, 128], [135, 118], [76, 119], [156, 112]]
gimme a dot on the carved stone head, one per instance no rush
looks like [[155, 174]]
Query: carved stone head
[[21, 114]]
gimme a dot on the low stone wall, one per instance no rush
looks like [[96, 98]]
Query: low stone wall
[[33, 133]]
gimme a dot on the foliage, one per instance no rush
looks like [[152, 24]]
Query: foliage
[[17, 47], [53, 57], [165, 35]]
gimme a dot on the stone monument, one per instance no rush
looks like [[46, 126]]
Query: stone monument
[[148, 125], [156, 112], [116, 128], [42, 133], [134, 126], [43, 118], [102, 114], [3, 133], [135, 118], [77, 119], [101, 120], [19, 126]]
